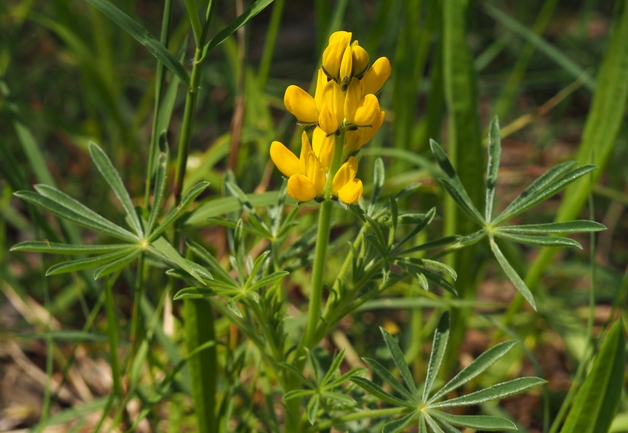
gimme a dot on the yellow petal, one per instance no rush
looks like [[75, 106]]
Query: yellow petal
[[315, 173], [340, 36], [284, 159], [335, 98], [306, 149], [323, 147], [360, 59], [328, 121], [301, 188], [352, 98], [321, 80], [345, 174], [351, 192], [367, 111], [376, 76], [368, 133], [300, 104], [332, 56], [346, 68], [354, 140]]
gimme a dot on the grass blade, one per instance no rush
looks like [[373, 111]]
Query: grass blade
[[595, 404], [494, 392], [66, 207], [441, 335], [494, 155], [143, 37], [234, 25], [112, 177], [512, 275], [479, 364]]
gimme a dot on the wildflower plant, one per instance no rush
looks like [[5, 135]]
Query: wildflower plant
[[237, 314]]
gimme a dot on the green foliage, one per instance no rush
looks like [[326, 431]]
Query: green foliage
[[420, 408]]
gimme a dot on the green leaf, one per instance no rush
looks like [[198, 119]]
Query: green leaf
[[375, 390], [387, 377], [193, 293], [439, 345], [379, 176], [494, 392], [479, 364], [175, 213], [399, 360], [578, 226], [57, 248], [234, 25], [76, 265], [160, 182], [596, 402], [259, 261], [162, 249], [399, 424], [512, 275], [433, 265], [539, 241], [335, 365], [342, 398], [66, 207], [200, 251], [298, 374], [465, 206], [225, 205], [143, 37], [541, 189], [312, 409], [480, 422], [433, 424], [494, 154], [116, 265], [112, 177], [297, 393]]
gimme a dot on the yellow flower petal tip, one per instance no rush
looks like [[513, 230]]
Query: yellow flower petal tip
[[284, 159], [376, 76], [301, 105]]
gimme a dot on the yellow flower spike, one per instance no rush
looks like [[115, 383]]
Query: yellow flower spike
[[352, 99], [376, 76], [345, 174], [346, 68], [332, 56], [323, 146], [367, 111], [360, 59], [328, 121], [284, 159], [301, 105], [315, 173], [301, 188], [351, 192]]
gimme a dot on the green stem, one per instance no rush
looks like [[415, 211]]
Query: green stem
[[135, 315], [358, 415], [159, 84], [112, 331]]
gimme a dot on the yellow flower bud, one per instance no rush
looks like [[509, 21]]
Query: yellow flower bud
[[376, 76], [328, 121], [301, 188], [346, 68], [332, 56], [360, 59], [301, 105], [323, 146], [284, 159]]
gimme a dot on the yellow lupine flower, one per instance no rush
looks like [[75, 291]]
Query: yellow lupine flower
[[376, 76], [354, 140], [345, 185]]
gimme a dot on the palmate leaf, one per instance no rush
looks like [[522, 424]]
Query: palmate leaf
[[480, 422], [539, 241], [160, 182], [577, 226], [494, 392], [432, 424], [399, 424], [64, 206], [494, 155], [112, 177], [512, 275], [116, 265], [194, 293], [400, 361], [378, 392], [57, 248], [387, 377], [91, 262]]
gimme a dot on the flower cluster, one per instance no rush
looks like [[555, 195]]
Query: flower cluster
[[344, 108]]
